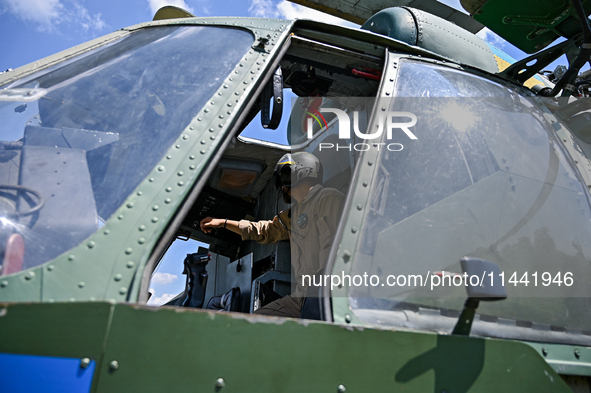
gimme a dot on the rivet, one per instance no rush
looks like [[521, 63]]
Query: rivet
[[191, 167], [220, 383], [212, 137], [191, 128], [180, 184], [198, 119], [220, 125], [128, 250], [151, 180], [142, 228], [353, 230], [211, 130], [359, 207], [364, 184], [117, 277], [90, 244], [122, 290], [387, 93], [4, 284], [341, 389], [225, 86], [348, 318], [130, 264], [81, 284], [168, 189], [114, 365], [71, 257], [206, 110], [30, 276], [544, 351], [161, 168], [370, 163], [202, 152], [221, 116], [139, 193], [130, 205], [192, 157], [168, 157], [167, 200], [177, 146], [203, 142], [180, 173], [229, 104], [154, 219], [141, 240], [84, 362], [50, 267], [564, 140], [577, 354], [155, 207]]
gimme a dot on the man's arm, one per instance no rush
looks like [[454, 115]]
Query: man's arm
[[265, 232], [209, 223]]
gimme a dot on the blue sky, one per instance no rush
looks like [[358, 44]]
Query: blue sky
[[33, 29]]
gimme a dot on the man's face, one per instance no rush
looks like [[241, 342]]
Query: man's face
[[286, 194]]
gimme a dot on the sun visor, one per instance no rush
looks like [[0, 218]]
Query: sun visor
[[235, 176]]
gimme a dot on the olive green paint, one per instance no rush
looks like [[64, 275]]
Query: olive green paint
[[167, 349]]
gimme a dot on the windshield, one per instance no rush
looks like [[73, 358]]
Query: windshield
[[77, 139], [487, 178]]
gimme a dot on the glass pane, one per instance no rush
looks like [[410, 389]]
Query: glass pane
[[78, 138], [486, 178]]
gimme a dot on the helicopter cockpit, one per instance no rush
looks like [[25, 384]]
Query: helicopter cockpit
[[241, 186]]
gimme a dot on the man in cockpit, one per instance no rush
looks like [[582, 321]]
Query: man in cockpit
[[315, 215]]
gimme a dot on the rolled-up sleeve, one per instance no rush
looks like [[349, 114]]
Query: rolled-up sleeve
[[266, 231]]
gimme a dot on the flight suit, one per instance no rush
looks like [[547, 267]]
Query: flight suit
[[310, 229]]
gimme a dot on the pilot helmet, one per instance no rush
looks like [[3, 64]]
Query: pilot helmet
[[293, 168]]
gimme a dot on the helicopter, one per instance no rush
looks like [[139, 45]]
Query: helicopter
[[467, 216]]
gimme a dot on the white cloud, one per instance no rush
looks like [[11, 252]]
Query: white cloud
[[263, 9], [155, 5], [492, 38], [48, 14], [163, 278], [159, 300], [286, 10]]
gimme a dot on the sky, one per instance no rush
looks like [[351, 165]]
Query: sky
[[33, 29]]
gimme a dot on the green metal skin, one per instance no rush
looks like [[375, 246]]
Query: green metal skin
[[86, 303], [142, 349], [529, 28]]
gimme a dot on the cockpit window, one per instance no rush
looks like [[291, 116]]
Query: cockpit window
[[77, 139], [487, 178]]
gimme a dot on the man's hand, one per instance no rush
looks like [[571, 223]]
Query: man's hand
[[209, 223]]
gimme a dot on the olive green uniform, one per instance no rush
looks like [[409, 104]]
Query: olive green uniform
[[315, 221]]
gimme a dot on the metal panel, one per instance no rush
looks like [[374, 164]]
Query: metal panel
[[239, 274], [359, 11]]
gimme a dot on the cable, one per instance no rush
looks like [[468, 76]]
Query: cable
[[37, 194]]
